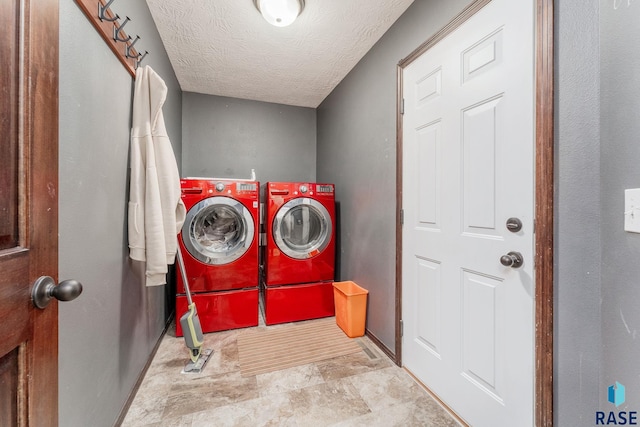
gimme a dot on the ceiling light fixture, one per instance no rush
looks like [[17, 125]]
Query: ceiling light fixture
[[279, 12]]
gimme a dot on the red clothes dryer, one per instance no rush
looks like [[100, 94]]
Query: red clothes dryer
[[219, 243], [300, 251]]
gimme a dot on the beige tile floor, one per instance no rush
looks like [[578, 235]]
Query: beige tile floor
[[362, 389]]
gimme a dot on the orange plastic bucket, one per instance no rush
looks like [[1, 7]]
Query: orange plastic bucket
[[351, 307]]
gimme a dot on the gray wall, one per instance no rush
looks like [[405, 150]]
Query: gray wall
[[577, 214], [620, 158], [227, 137], [357, 151], [108, 333], [597, 319]]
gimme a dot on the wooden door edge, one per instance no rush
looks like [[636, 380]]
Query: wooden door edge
[[544, 209], [40, 68]]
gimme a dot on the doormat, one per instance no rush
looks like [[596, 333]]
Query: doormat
[[295, 344]]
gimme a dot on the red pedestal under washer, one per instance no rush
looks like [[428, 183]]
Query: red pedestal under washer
[[299, 252], [219, 243]]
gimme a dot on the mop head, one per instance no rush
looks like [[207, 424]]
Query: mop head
[[196, 367]]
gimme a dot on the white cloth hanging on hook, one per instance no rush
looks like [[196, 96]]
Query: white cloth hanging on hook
[[156, 211]]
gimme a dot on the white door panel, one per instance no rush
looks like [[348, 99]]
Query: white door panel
[[467, 167]]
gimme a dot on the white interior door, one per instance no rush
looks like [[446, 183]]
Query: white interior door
[[468, 167]]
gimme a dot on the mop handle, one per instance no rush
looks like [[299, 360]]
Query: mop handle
[[183, 273]]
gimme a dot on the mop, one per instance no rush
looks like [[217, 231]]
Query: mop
[[192, 330]]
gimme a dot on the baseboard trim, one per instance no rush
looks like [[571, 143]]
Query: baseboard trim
[[134, 390], [437, 399], [386, 350]]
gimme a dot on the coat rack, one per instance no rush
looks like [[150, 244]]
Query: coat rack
[[108, 25]]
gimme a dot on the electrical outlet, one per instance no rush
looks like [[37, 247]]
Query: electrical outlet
[[632, 210]]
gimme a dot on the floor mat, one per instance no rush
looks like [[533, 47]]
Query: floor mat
[[295, 344]]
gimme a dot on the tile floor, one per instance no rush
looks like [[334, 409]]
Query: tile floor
[[362, 389]]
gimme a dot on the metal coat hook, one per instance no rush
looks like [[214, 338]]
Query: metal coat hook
[[117, 29], [146, 52], [102, 12], [129, 46], [112, 29]]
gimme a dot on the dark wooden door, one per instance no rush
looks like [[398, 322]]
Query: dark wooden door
[[28, 210]]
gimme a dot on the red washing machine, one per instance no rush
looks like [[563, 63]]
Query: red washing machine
[[219, 243], [300, 251]]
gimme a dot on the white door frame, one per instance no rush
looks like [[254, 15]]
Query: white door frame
[[544, 165]]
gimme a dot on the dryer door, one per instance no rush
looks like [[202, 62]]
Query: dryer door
[[218, 230], [302, 228]]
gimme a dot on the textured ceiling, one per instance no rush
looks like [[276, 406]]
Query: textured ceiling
[[226, 48]]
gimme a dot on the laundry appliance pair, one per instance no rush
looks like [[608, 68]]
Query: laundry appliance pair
[[299, 255], [220, 247], [220, 244]]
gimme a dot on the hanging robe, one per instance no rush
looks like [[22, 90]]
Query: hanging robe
[[156, 211]]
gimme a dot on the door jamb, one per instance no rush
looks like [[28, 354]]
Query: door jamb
[[544, 208]]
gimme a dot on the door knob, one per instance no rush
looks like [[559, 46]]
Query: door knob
[[44, 288], [512, 259]]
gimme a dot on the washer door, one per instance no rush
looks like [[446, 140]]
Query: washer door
[[302, 228], [218, 230]]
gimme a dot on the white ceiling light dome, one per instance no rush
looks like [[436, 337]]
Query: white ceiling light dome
[[280, 12]]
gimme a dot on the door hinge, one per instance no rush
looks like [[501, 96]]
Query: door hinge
[[402, 106], [401, 216], [401, 328]]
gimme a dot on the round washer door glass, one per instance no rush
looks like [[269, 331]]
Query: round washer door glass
[[302, 228], [218, 230]]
